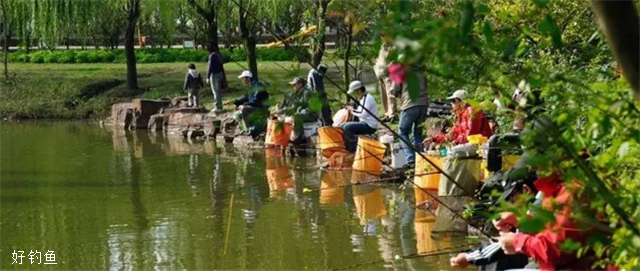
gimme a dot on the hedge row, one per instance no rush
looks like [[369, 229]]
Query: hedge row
[[153, 55]]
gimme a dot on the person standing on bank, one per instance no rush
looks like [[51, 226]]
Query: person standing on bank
[[192, 85], [413, 110], [381, 70], [215, 76], [366, 112], [315, 82]]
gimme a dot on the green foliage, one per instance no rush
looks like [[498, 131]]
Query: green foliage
[[488, 46], [148, 56]]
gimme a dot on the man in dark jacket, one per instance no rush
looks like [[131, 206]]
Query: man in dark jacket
[[252, 108], [315, 82], [215, 76], [192, 85]]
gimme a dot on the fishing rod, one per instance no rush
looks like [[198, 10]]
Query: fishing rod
[[444, 251], [375, 181]]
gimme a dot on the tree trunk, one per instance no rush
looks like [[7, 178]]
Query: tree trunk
[[252, 57], [249, 43], [6, 40], [318, 50], [619, 21], [212, 36], [129, 42], [209, 15], [347, 51]]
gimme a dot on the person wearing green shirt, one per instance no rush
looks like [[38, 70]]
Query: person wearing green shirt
[[295, 104]]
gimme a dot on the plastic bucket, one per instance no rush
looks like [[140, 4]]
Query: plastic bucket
[[509, 161], [278, 133], [331, 141], [398, 156], [369, 156], [332, 186], [279, 178], [427, 176], [311, 128], [369, 202]]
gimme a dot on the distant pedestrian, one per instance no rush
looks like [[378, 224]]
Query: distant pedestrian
[[215, 76], [315, 82], [192, 84]]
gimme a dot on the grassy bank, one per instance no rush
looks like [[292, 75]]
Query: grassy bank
[[65, 91]]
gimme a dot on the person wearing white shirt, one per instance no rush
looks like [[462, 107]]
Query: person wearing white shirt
[[366, 112]]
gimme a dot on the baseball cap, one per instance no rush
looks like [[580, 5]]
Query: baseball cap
[[458, 94], [246, 74], [296, 81], [322, 67], [355, 85]]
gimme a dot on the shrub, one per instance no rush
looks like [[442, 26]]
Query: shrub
[[156, 55], [67, 57], [82, 57], [38, 57]]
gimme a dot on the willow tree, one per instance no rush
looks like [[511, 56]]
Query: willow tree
[[228, 24], [351, 20], [251, 21], [285, 26], [207, 9], [191, 24], [5, 33], [21, 13], [320, 19], [133, 13], [158, 21]]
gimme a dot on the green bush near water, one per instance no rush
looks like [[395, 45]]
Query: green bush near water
[[150, 56]]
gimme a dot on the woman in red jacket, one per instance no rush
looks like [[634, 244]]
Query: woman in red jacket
[[468, 122]]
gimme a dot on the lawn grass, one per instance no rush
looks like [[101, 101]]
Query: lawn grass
[[80, 91]]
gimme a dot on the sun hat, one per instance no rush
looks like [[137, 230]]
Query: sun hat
[[355, 85], [296, 81], [458, 94], [245, 74]]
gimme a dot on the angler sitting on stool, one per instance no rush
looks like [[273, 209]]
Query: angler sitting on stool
[[295, 104], [365, 112]]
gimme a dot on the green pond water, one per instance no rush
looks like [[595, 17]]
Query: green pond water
[[105, 200]]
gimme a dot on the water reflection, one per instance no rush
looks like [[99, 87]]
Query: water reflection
[[332, 186], [148, 201]]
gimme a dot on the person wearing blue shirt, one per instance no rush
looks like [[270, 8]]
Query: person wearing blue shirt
[[252, 108]]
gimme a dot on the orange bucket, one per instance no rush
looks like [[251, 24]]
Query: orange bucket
[[331, 141], [273, 152], [279, 179], [332, 186], [428, 181], [278, 133], [423, 225], [369, 156], [369, 202]]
